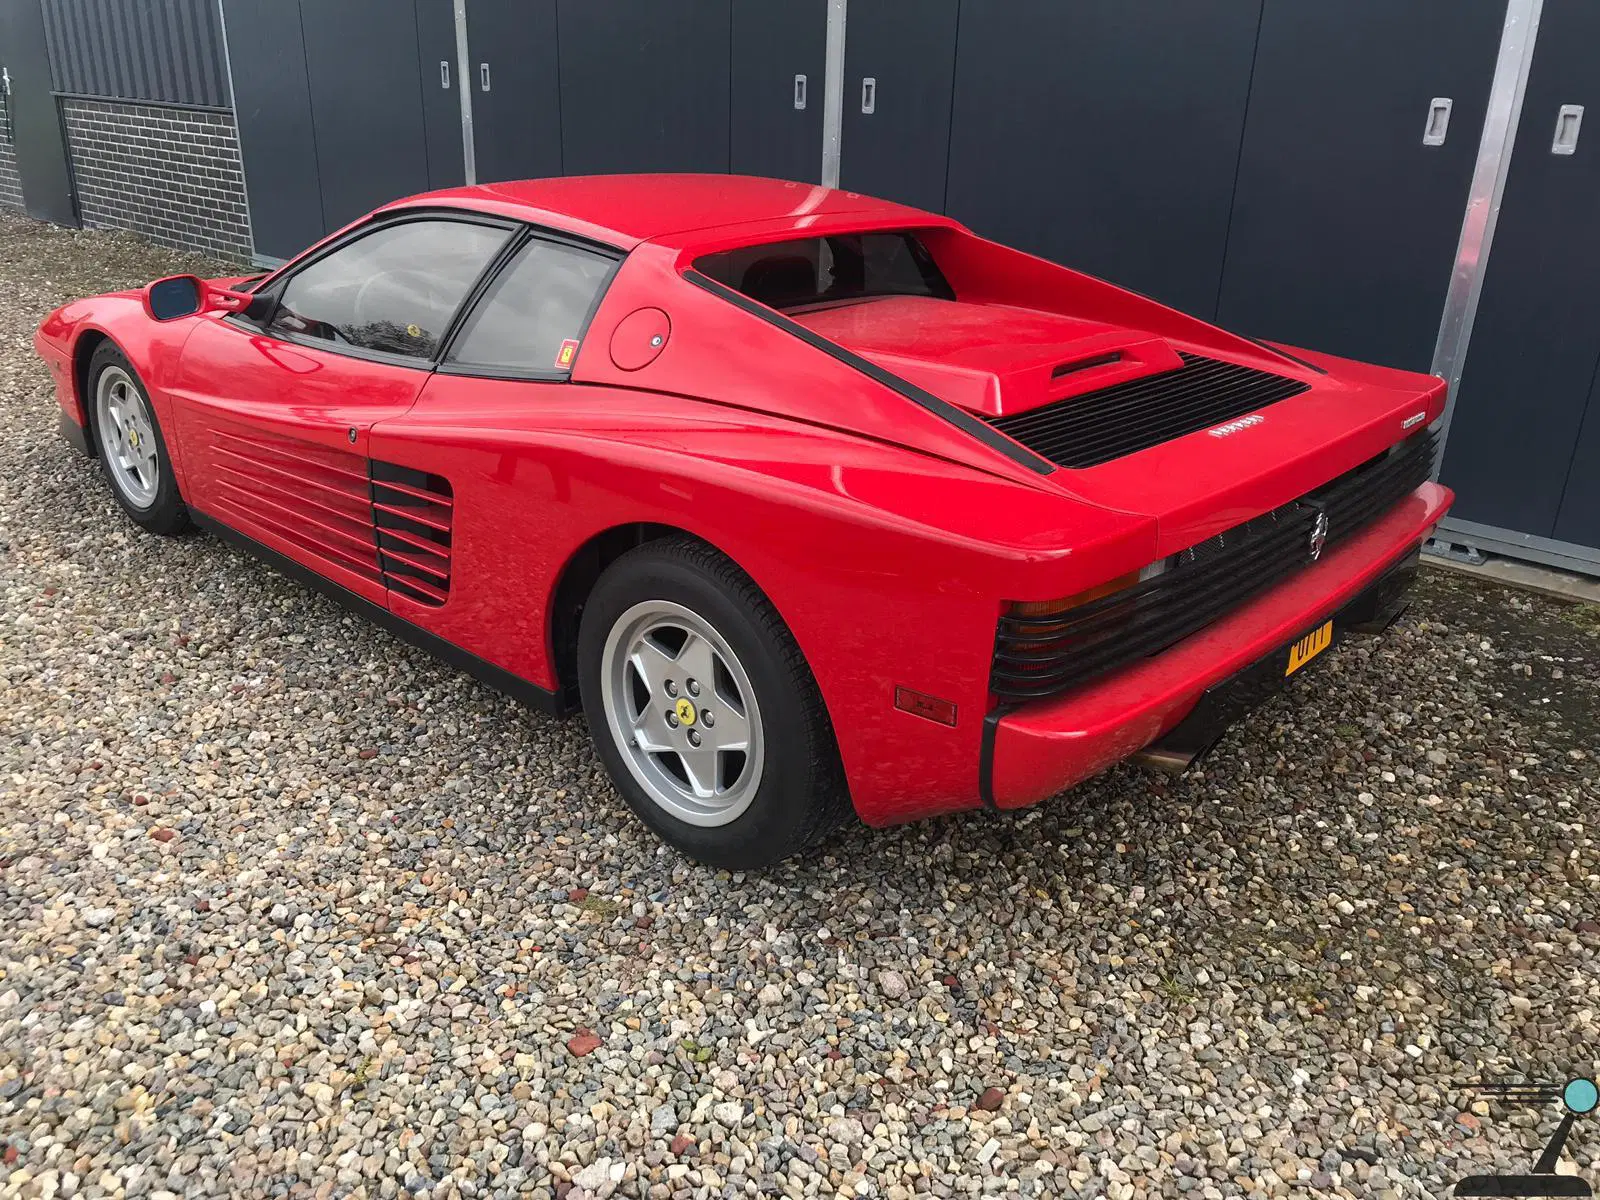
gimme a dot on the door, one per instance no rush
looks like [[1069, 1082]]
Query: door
[[1104, 134], [899, 73], [1523, 449], [441, 92], [506, 374], [277, 143], [516, 91], [30, 122], [644, 85], [1578, 520], [366, 104], [779, 57], [1352, 179], [274, 418]]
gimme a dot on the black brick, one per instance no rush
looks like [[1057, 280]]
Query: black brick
[[170, 174]]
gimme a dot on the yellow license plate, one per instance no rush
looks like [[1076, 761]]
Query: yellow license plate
[[1308, 647]]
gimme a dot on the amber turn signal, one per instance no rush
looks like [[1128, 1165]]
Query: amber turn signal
[[1049, 608]]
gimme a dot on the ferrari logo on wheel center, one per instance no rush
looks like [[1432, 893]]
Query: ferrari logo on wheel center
[[685, 710]]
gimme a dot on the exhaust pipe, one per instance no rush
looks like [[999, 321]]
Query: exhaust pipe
[[1165, 758], [1173, 756]]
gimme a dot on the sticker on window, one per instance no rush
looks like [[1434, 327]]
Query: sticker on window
[[568, 351]]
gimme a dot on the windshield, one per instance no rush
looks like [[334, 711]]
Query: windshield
[[841, 269]]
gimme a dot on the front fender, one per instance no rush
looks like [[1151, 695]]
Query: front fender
[[69, 334]]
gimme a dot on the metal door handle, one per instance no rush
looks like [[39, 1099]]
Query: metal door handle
[[869, 94], [1569, 119], [799, 91], [483, 76], [444, 73], [1433, 133]]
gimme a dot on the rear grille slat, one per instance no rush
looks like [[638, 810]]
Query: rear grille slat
[[1045, 655], [1097, 427]]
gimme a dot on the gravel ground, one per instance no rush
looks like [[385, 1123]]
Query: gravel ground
[[288, 908]]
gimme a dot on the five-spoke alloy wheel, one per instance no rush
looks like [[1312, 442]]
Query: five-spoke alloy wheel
[[679, 701], [703, 709], [132, 448], [128, 437]]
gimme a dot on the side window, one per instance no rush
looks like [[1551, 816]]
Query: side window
[[539, 302], [394, 290]]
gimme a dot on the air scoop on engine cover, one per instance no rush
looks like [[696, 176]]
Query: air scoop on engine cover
[[994, 360]]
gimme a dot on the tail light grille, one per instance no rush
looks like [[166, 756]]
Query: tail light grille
[[412, 513], [1094, 428], [1045, 655]]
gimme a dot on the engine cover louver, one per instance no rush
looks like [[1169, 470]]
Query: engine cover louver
[[1096, 427], [411, 513]]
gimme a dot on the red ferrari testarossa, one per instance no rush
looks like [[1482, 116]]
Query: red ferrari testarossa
[[810, 501]]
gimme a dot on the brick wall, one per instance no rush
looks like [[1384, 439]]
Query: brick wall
[[10, 182], [172, 174]]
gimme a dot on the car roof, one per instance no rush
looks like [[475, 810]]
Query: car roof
[[624, 210]]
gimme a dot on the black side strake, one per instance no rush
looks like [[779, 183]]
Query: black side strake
[[412, 515], [959, 417]]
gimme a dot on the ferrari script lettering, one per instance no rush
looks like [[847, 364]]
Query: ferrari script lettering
[[1222, 431]]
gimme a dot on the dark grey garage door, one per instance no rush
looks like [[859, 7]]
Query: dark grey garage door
[[1105, 134], [644, 85], [1524, 443], [1345, 223]]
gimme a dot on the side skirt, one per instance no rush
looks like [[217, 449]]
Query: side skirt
[[503, 681]]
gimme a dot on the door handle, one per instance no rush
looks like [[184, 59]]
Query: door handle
[[1438, 125], [799, 91], [444, 73], [483, 77], [869, 94], [1569, 119]]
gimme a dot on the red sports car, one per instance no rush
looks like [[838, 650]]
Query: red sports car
[[810, 501]]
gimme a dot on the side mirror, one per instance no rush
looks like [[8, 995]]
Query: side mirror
[[185, 295], [178, 296]]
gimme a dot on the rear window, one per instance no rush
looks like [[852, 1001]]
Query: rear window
[[840, 269]]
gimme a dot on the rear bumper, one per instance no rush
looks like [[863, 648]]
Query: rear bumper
[[1033, 752]]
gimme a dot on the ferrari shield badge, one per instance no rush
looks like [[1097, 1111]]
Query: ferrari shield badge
[[568, 351]]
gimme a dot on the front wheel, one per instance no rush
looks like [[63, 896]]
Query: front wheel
[[133, 451], [703, 709]]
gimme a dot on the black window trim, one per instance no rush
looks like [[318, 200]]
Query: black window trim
[[271, 287], [476, 296], [277, 283]]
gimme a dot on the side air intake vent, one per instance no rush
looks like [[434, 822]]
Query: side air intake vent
[[412, 511], [1096, 427]]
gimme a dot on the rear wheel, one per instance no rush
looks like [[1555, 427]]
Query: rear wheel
[[703, 709], [132, 448]]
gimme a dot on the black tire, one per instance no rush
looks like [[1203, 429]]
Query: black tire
[[165, 513], [802, 795]]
